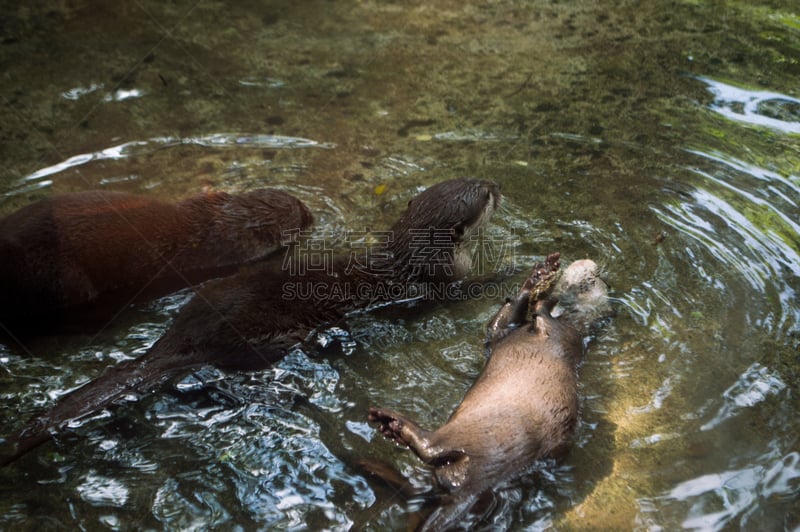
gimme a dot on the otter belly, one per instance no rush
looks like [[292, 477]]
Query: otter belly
[[523, 407]]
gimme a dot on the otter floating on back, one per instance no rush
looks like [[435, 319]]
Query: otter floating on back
[[524, 405]]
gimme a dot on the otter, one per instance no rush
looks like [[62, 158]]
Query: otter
[[250, 320], [524, 405], [83, 256]]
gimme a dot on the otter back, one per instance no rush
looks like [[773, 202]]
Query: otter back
[[248, 320], [82, 252]]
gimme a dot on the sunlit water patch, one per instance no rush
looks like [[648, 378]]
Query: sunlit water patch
[[758, 108]]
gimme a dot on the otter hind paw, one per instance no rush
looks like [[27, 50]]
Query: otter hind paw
[[390, 424]]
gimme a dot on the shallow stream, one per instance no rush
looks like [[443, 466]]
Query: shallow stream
[[658, 138]]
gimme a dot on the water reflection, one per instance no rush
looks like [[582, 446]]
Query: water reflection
[[142, 147], [689, 407], [758, 108], [120, 95], [79, 92], [715, 501], [753, 387], [744, 217], [259, 445], [262, 81], [737, 223], [101, 491]]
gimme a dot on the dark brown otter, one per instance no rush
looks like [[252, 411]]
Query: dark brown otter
[[97, 251], [522, 408], [252, 319]]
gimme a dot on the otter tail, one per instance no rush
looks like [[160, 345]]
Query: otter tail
[[129, 377], [449, 508], [450, 513]]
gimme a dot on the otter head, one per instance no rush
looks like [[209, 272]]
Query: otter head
[[433, 239], [582, 296], [249, 226]]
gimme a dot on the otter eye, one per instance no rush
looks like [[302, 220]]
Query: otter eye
[[459, 230]]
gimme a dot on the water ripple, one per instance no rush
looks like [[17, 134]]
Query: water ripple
[[745, 217], [717, 500], [139, 147], [752, 387], [261, 448], [102, 491], [759, 108]]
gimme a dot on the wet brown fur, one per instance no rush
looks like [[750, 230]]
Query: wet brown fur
[[246, 321], [90, 253], [522, 408]]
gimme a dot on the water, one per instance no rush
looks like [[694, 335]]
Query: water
[[659, 139]]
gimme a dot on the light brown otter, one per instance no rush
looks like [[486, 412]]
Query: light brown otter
[[251, 320], [522, 408], [93, 252]]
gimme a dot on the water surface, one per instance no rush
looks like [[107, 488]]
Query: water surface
[[660, 139]]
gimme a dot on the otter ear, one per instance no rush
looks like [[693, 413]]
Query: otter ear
[[459, 230]]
